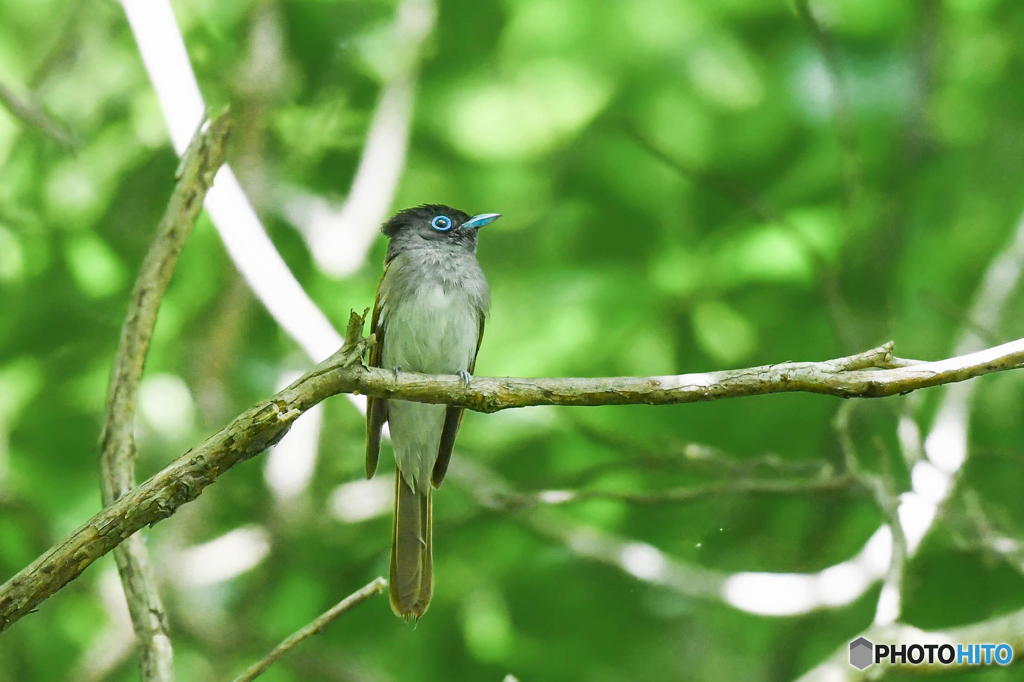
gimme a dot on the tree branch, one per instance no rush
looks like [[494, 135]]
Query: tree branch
[[637, 558], [33, 116], [117, 444], [691, 493], [887, 499], [842, 111], [680, 456], [827, 274], [319, 623], [181, 481], [265, 423], [872, 374], [973, 530]]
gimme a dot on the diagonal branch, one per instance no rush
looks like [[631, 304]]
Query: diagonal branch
[[874, 373], [846, 128], [181, 481], [375, 586], [35, 117], [887, 499], [743, 486], [117, 443], [827, 273]]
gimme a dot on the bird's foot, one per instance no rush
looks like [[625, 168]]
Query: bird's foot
[[395, 370], [465, 376]]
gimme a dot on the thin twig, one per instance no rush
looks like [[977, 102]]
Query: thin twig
[[977, 532], [842, 111], [887, 498], [955, 312], [65, 36], [117, 443], [267, 422], [689, 494], [828, 276], [34, 117], [916, 134], [677, 455], [639, 559], [724, 187], [319, 623], [883, 491]]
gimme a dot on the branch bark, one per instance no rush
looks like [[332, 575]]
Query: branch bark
[[199, 165], [874, 373]]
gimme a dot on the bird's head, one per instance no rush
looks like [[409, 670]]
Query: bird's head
[[436, 224]]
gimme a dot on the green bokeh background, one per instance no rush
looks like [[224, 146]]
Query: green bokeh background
[[679, 194]]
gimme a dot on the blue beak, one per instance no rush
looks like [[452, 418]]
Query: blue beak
[[480, 220]]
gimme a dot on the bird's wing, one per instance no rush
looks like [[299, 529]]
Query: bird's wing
[[452, 419], [376, 408]]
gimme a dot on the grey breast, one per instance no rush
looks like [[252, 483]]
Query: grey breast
[[432, 303]]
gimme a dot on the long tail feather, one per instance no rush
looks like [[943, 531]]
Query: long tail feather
[[412, 573]]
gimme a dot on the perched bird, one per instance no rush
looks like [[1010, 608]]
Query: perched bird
[[428, 317]]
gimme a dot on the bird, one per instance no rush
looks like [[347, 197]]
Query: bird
[[428, 316]]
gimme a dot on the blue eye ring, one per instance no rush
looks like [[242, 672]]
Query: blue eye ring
[[441, 223]]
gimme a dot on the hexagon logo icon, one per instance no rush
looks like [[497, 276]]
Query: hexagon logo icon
[[861, 653]]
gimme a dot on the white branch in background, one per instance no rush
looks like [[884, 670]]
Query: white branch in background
[[163, 53], [790, 594], [265, 271], [933, 478], [339, 237], [946, 444]]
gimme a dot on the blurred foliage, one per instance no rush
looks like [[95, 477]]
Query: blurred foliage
[[676, 199]]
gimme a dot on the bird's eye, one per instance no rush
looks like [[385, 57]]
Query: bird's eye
[[441, 223]]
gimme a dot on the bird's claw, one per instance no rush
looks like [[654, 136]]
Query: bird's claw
[[465, 376]]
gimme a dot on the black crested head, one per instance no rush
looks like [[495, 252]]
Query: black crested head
[[436, 224], [421, 216]]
